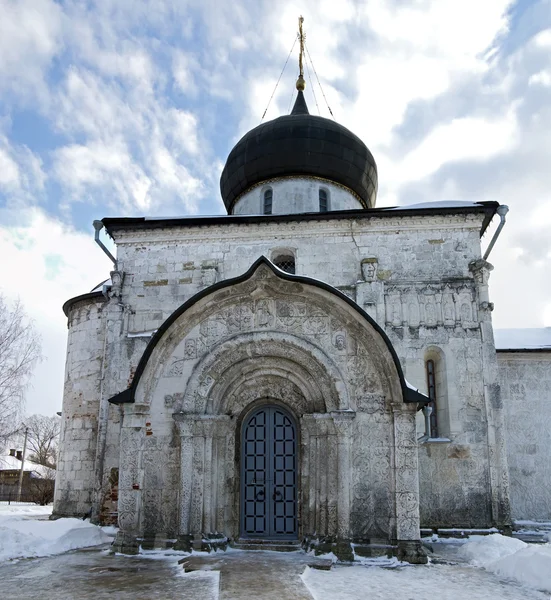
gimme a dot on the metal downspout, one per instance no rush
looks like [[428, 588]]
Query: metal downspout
[[502, 210], [98, 226]]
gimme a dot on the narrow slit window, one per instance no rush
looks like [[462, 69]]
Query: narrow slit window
[[268, 196], [323, 201], [431, 386]]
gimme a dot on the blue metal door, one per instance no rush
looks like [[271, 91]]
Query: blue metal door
[[269, 475]]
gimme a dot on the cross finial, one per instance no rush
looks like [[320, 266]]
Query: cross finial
[[301, 35]]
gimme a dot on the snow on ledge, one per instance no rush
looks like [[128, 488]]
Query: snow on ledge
[[437, 204], [142, 334]]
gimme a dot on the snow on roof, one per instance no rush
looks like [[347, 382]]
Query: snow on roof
[[412, 387], [99, 288], [523, 339], [11, 463], [437, 204]]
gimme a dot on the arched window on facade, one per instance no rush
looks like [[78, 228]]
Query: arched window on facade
[[324, 200], [437, 391], [285, 262], [267, 206], [432, 394]]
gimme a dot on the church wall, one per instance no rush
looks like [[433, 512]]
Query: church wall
[[454, 478], [525, 379], [410, 273], [82, 389], [295, 195], [179, 467], [163, 268]]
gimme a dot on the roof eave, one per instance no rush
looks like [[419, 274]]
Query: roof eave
[[111, 223], [90, 296]]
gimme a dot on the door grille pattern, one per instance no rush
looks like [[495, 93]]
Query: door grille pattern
[[268, 490]]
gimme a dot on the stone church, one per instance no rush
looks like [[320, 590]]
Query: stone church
[[309, 369]]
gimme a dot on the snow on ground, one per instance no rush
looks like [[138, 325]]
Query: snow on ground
[[430, 582], [495, 567], [529, 564], [24, 535], [24, 510], [483, 550]]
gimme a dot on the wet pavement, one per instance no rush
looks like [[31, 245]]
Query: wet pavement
[[259, 574], [246, 575], [93, 573]]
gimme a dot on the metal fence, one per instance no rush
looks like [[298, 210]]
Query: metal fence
[[10, 497]]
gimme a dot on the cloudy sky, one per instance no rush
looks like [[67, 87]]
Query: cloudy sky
[[120, 107]]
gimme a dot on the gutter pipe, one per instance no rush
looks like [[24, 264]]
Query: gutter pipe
[[98, 226], [502, 210]]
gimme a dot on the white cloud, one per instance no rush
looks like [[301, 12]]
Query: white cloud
[[9, 171], [49, 263], [22, 178], [461, 139], [30, 36], [186, 70], [184, 130]]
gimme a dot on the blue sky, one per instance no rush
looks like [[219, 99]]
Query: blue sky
[[115, 107]]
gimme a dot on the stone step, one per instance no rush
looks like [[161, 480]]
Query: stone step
[[274, 545]]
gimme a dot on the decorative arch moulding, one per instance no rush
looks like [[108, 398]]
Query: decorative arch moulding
[[408, 394]]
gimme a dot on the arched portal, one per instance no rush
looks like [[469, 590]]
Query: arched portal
[[302, 345], [269, 459]]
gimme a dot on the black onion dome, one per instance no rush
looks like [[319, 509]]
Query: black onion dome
[[300, 144]]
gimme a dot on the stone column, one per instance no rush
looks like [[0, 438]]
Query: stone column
[[406, 478], [131, 476], [497, 454], [199, 476], [343, 421]]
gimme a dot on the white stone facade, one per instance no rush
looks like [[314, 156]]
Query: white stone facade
[[526, 389], [419, 276]]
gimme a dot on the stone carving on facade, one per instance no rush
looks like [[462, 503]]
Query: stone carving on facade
[[264, 313], [315, 323], [208, 276], [190, 349], [396, 311], [414, 317], [431, 305], [117, 279], [291, 315], [370, 403], [205, 385], [176, 368], [339, 341], [369, 269]]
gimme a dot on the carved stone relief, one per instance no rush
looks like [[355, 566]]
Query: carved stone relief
[[431, 305]]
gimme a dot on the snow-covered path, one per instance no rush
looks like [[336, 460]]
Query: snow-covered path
[[441, 582], [94, 574], [34, 561]]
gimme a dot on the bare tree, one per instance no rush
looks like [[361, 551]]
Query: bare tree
[[42, 439], [40, 486], [19, 353]]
